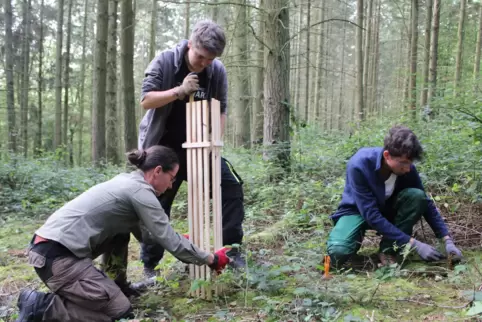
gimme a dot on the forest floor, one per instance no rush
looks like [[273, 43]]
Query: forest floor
[[284, 279]]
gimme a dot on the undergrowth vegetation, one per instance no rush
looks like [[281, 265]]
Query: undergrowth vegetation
[[286, 226]]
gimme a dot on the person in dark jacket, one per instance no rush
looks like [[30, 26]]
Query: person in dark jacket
[[383, 191], [189, 68]]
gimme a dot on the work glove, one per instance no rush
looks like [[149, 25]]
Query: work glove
[[185, 236], [451, 249], [189, 85], [427, 252], [220, 260]]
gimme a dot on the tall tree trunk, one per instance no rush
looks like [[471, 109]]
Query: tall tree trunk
[[257, 115], [297, 80], [426, 53], [308, 61], [276, 140], [413, 61], [82, 81], [241, 85], [360, 110], [127, 76], [66, 76], [460, 47], [342, 76], [98, 106], [187, 21], [319, 65], [375, 61], [153, 31], [111, 121], [367, 52], [479, 45], [38, 136], [25, 75], [434, 50], [12, 129], [58, 75]]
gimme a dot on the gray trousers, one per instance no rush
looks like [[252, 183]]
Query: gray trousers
[[81, 291]]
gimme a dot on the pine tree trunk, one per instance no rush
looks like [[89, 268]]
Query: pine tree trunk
[[66, 67], [257, 115], [241, 84], [426, 53], [38, 136], [58, 75], [25, 75], [111, 120], [82, 82], [434, 50], [342, 77], [153, 31], [460, 47], [359, 62], [367, 52], [307, 63], [127, 76], [99, 87], [276, 140], [479, 45], [187, 22], [12, 129], [413, 61], [319, 66], [297, 92]]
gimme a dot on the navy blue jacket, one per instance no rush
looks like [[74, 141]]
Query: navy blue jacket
[[365, 194]]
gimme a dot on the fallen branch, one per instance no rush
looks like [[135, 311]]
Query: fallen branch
[[436, 305]]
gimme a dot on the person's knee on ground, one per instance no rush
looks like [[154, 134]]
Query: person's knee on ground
[[339, 255]]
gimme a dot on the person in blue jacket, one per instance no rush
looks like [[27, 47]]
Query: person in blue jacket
[[383, 192]]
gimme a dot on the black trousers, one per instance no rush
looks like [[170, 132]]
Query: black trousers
[[232, 208]]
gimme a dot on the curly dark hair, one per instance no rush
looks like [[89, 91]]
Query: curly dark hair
[[401, 141]]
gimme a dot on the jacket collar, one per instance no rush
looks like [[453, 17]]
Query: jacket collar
[[379, 156]]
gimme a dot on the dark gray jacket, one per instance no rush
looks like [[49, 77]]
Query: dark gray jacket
[[160, 76]]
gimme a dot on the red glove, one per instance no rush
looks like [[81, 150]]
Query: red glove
[[185, 236], [220, 260]]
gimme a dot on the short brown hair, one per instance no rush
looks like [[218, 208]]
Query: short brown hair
[[401, 141]]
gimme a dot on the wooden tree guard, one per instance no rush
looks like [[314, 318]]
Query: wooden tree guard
[[200, 173]]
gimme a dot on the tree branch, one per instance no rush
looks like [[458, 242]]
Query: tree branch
[[319, 23], [257, 38]]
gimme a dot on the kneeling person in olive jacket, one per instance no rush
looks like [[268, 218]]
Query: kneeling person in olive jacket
[[97, 222]]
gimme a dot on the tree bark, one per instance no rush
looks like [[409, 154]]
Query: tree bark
[[257, 115], [82, 81], [111, 120], [276, 140], [153, 31], [66, 77], [58, 75], [479, 45], [26, 7], [413, 60], [187, 21], [342, 76], [434, 50], [359, 62], [307, 62], [366, 57], [319, 66], [12, 129], [127, 76], [426, 53], [38, 136], [460, 47], [241, 85], [98, 106]]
